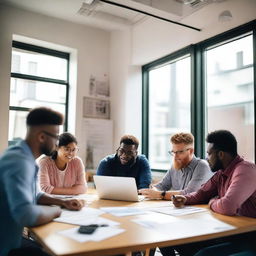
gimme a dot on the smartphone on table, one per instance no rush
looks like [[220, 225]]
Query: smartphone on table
[[89, 229]]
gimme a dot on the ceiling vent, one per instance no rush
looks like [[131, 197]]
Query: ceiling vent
[[88, 7], [198, 3], [193, 3]]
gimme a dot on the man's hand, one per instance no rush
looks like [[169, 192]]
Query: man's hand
[[150, 193], [48, 213], [178, 200], [70, 204], [73, 204]]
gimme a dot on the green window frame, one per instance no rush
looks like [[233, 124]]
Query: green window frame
[[198, 86], [49, 52]]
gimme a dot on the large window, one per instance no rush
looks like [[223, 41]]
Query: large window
[[39, 77], [169, 108], [209, 86], [168, 102], [230, 92]]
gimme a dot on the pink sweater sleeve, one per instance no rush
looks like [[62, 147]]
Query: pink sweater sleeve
[[241, 187], [44, 175]]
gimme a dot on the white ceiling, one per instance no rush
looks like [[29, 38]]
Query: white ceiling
[[110, 17]]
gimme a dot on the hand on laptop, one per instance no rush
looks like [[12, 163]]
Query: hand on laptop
[[150, 193]]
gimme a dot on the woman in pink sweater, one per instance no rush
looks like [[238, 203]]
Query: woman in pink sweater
[[63, 173]]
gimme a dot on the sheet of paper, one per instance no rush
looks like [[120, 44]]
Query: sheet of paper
[[87, 197], [172, 210], [189, 227], [90, 220], [63, 196], [152, 219], [101, 233], [123, 211], [84, 217]]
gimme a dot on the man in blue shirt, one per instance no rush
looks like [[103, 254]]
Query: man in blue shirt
[[19, 199], [127, 163]]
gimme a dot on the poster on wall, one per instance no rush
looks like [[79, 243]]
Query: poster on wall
[[98, 136], [96, 108], [99, 87]]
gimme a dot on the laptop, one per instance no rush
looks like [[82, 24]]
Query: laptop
[[117, 188]]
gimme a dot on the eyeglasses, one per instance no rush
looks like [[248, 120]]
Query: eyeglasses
[[70, 150], [178, 152], [55, 136], [121, 151]]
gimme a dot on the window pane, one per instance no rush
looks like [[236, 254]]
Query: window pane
[[29, 94], [230, 92], [36, 64], [17, 125], [169, 108]]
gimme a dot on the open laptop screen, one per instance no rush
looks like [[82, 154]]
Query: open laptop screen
[[116, 188]]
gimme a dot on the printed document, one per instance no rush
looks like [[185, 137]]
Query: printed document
[[187, 227], [123, 211], [101, 233], [172, 210], [86, 216]]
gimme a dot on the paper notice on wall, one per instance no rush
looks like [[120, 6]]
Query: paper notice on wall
[[96, 108], [98, 134], [99, 87]]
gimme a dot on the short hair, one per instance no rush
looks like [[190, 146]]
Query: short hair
[[182, 137], [44, 116], [64, 139], [223, 140], [129, 140]]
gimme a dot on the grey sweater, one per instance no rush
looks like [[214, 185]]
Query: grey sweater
[[188, 179]]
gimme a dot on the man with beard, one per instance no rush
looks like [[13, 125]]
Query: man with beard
[[231, 191], [20, 202], [127, 163], [187, 173]]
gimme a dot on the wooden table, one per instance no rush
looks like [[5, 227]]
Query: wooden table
[[135, 237]]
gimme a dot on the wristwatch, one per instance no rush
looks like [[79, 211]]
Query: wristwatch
[[163, 194]]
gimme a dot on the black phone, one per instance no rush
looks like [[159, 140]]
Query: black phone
[[88, 229]]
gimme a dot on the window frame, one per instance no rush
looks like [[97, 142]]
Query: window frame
[[45, 51], [198, 85], [145, 91]]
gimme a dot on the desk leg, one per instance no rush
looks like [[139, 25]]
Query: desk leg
[[147, 252]]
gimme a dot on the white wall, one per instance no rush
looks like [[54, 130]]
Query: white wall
[[89, 49], [125, 81]]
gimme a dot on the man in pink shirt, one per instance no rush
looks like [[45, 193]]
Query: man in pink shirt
[[230, 191]]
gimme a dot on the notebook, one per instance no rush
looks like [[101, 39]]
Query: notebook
[[117, 188]]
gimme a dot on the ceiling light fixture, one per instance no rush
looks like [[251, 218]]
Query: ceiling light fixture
[[225, 16]]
